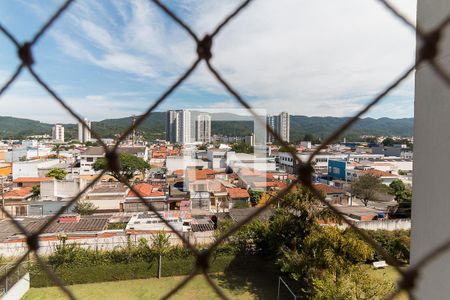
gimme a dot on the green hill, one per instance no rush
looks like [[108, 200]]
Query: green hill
[[154, 127]]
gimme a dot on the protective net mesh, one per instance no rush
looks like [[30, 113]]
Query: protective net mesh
[[426, 55]]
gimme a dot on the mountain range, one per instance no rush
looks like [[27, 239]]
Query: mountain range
[[154, 126]]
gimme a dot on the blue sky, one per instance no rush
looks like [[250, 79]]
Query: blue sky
[[113, 58]]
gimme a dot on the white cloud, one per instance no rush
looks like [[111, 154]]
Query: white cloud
[[321, 57]]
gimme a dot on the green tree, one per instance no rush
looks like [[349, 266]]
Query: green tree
[[400, 191], [242, 148], [85, 208], [388, 142], [295, 218], [202, 147], [396, 243], [255, 196], [160, 244], [397, 186], [367, 188], [357, 284], [57, 173], [91, 144], [129, 165], [326, 253], [36, 190], [58, 148]]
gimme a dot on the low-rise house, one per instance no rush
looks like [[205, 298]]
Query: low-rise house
[[385, 177], [238, 196], [31, 168], [60, 190], [333, 194], [178, 198], [91, 154], [108, 196], [151, 195], [49, 207], [31, 181], [16, 201]]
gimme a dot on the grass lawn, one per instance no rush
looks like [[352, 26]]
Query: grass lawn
[[392, 275], [197, 288], [253, 285]]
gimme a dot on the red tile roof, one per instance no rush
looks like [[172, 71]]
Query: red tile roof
[[23, 192], [145, 190], [204, 174], [328, 189], [378, 173], [237, 193], [194, 174], [159, 154], [32, 179]]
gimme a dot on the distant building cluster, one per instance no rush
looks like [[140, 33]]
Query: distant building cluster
[[191, 176], [181, 129]]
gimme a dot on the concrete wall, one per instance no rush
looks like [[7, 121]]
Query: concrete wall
[[50, 190], [30, 168], [431, 183], [19, 289], [15, 249], [46, 208], [390, 225]]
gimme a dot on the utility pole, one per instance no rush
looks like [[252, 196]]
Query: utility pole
[[3, 196], [133, 138]]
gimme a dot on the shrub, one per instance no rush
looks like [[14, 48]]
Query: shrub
[[396, 243]]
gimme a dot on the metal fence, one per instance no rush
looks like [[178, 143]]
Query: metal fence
[[285, 292], [204, 46], [9, 279]]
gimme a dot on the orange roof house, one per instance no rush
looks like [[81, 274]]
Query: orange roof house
[[19, 193], [237, 193], [378, 173], [30, 181], [328, 189], [146, 190]]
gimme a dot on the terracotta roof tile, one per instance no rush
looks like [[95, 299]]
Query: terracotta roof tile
[[237, 193], [32, 179], [328, 189], [378, 173], [146, 190], [19, 193]]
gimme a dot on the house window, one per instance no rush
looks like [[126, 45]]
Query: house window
[[90, 159], [21, 210]]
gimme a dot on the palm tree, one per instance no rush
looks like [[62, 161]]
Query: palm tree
[[57, 148], [160, 245]]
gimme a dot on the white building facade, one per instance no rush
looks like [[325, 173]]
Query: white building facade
[[281, 125], [203, 128], [84, 135], [178, 126], [58, 133]]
